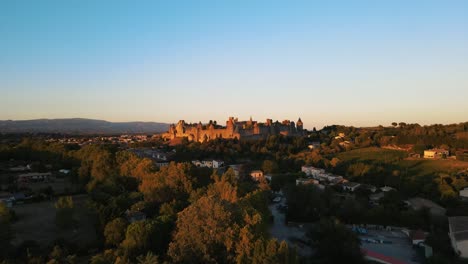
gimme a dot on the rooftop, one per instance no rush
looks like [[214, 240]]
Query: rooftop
[[436, 150], [458, 224]]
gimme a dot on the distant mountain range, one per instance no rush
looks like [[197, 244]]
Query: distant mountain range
[[79, 126]]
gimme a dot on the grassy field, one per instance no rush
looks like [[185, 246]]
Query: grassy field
[[430, 178], [372, 154], [426, 167], [397, 158], [36, 221]]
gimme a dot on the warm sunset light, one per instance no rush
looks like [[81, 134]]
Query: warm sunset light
[[237, 132]]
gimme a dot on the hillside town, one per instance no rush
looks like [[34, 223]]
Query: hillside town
[[365, 185]]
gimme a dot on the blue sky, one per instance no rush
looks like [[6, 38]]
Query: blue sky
[[329, 62]]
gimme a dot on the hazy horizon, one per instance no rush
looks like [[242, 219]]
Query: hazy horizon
[[363, 63]]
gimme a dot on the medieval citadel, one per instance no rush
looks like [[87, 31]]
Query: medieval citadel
[[233, 129]]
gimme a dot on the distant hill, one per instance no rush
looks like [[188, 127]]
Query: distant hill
[[79, 126]]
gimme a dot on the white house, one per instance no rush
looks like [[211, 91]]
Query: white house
[[34, 177], [197, 163], [207, 163], [436, 153], [312, 171], [306, 181], [218, 164], [464, 193], [387, 189], [350, 186]]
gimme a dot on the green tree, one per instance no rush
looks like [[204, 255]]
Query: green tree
[[6, 234], [204, 232], [334, 243], [270, 166], [64, 212], [114, 232], [149, 258], [137, 237]]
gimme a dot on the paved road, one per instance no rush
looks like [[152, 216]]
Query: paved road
[[292, 234]]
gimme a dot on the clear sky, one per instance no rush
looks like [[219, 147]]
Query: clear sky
[[328, 62]]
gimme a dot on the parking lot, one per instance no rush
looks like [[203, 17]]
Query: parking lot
[[391, 243]]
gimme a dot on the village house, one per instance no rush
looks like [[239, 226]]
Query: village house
[[436, 153], [161, 164], [350, 186], [312, 171], [218, 164], [34, 177], [314, 145], [417, 237], [387, 189], [215, 164], [330, 178], [20, 168], [256, 175], [207, 163], [464, 194], [419, 203], [306, 181]]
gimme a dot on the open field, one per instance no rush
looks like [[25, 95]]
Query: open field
[[372, 154], [397, 158], [425, 166], [36, 221]]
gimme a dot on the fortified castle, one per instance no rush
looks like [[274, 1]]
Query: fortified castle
[[233, 129]]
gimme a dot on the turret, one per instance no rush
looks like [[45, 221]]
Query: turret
[[230, 124], [299, 125]]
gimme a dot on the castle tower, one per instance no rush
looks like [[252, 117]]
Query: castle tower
[[256, 129], [299, 125], [230, 125], [180, 128]]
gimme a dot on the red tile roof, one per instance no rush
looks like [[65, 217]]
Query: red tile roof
[[382, 258]]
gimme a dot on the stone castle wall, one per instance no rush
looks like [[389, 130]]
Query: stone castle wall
[[233, 130]]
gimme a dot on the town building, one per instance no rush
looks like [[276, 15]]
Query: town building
[[436, 153], [215, 164], [350, 186], [218, 164], [419, 203], [417, 237], [256, 175], [464, 193], [387, 189], [458, 233], [306, 181], [34, 177], [313, 171]]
